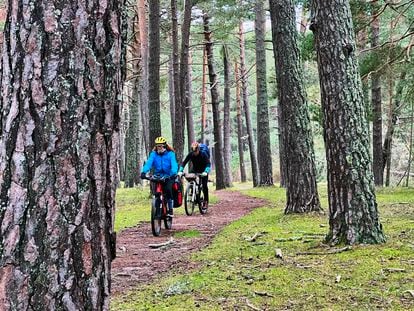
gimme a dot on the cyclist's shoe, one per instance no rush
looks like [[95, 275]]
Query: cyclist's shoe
[[205, 205], [170, 213]]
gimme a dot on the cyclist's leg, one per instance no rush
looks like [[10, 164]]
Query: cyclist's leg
[[204, 181], [168, 195]]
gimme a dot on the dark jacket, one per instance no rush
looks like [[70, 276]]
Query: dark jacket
[[200, 163]]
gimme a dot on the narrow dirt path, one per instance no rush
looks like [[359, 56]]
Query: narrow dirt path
[[137, 263]]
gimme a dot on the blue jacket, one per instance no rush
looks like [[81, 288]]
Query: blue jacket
[[163, 165]]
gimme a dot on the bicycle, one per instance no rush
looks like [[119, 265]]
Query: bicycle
[[194, 194], [158, 205]]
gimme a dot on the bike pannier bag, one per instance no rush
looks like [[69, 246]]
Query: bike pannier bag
[[178, 192]]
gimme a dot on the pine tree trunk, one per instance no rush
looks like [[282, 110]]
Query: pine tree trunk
[[240, 143], [226, 120], [243, 77], [204, 108], [189, 105], [131, 141], [59, 145], [134, 120], [154, 72], [395, 106], [282, 155], [144, 87], [301, 189], [171, 93], [178, 111], [215, 101], [377, 163], [353, 214], [264, 153], [184, 90]]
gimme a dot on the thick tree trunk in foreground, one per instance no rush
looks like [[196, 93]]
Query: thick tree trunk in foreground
[[301, 189], [264, 153], [58, 153], [353, 214]]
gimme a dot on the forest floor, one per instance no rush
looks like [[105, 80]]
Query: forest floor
[[137, 263]]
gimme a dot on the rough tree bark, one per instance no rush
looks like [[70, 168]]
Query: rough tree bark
[[215, 101], [246, 108], [144, 87], [176, 71], [353, 214], [264, 152], [301, 189], [184, 90], [189, 105], [154, 72], [240, 142], [204, 108], [394, 108], [59, 142], [376, 101], [132, 152], [226, 120]]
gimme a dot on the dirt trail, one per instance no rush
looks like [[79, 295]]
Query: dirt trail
[[137, 263]]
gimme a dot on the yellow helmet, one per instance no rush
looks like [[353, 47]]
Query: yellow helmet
[[160, 140]]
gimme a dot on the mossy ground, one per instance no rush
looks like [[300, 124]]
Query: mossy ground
[[236, 273]]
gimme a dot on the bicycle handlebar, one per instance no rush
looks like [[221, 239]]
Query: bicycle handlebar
[[156, 178]]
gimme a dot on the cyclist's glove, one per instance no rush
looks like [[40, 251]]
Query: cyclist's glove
[[204, 174], [143, 176]]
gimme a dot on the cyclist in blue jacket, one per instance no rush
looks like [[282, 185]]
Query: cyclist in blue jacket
[[163, 163]]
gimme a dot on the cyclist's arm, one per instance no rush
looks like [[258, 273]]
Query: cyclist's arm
[[174, 165], [208, 166], [148, 165], [184, 163]]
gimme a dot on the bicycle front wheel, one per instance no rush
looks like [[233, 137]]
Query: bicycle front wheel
[[167, 220], [188, 199], [156, 216], [202, 206]]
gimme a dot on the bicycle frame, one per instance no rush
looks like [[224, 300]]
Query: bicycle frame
[[195, 190], [158, 206]]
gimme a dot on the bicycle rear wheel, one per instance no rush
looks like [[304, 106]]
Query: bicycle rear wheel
[[156, 216], [188, 199]]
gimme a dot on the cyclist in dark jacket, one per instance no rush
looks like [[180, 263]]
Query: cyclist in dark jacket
[[162, 162], [200, 164]]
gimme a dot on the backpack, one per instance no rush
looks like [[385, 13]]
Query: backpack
[[205, 152], [177, 192]]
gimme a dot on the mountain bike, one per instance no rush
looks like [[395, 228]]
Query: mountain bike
[[194, 194], [159, 205]]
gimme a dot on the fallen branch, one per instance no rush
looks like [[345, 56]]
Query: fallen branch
[[335, 251], [393, 270], [249, 304], [254, 237], [263, 294], [169, 242], [295, 238]]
